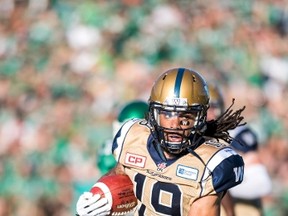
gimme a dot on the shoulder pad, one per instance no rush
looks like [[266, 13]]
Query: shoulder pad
[[121, 135]]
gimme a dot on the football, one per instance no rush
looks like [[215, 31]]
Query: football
[[118, 189]]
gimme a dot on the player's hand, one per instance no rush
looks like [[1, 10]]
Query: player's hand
[[92, 205]]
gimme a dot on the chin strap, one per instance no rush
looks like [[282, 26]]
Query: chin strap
[[159, 150], [196, 140]]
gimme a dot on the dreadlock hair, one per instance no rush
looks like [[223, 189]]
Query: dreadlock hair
[[218, 128]]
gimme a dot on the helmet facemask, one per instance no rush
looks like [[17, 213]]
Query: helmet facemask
[[190, 118]]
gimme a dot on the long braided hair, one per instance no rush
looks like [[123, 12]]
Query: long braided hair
[[218, 128]]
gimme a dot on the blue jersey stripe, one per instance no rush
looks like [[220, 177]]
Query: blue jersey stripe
[[178, 82]]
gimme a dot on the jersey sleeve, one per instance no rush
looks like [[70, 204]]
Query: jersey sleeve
[[224, 170]]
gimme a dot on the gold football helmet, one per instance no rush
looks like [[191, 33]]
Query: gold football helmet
[[216, 98], [178, 92]]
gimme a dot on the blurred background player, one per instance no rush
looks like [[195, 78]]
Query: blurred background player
[[246, 198], [133, 109]]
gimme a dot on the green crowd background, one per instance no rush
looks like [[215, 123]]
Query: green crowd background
[[67, 65]]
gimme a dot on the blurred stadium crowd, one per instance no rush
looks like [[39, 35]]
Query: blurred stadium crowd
[[66, 65]]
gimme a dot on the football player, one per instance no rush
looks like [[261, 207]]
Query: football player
[[244, 199], [172, 158], [134, 109]]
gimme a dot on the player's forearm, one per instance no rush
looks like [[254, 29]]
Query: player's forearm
[[228, 205], [204, 211], [206, 206]]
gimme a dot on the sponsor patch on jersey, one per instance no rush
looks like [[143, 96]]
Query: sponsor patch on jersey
[[135, 160], [187, 172]]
